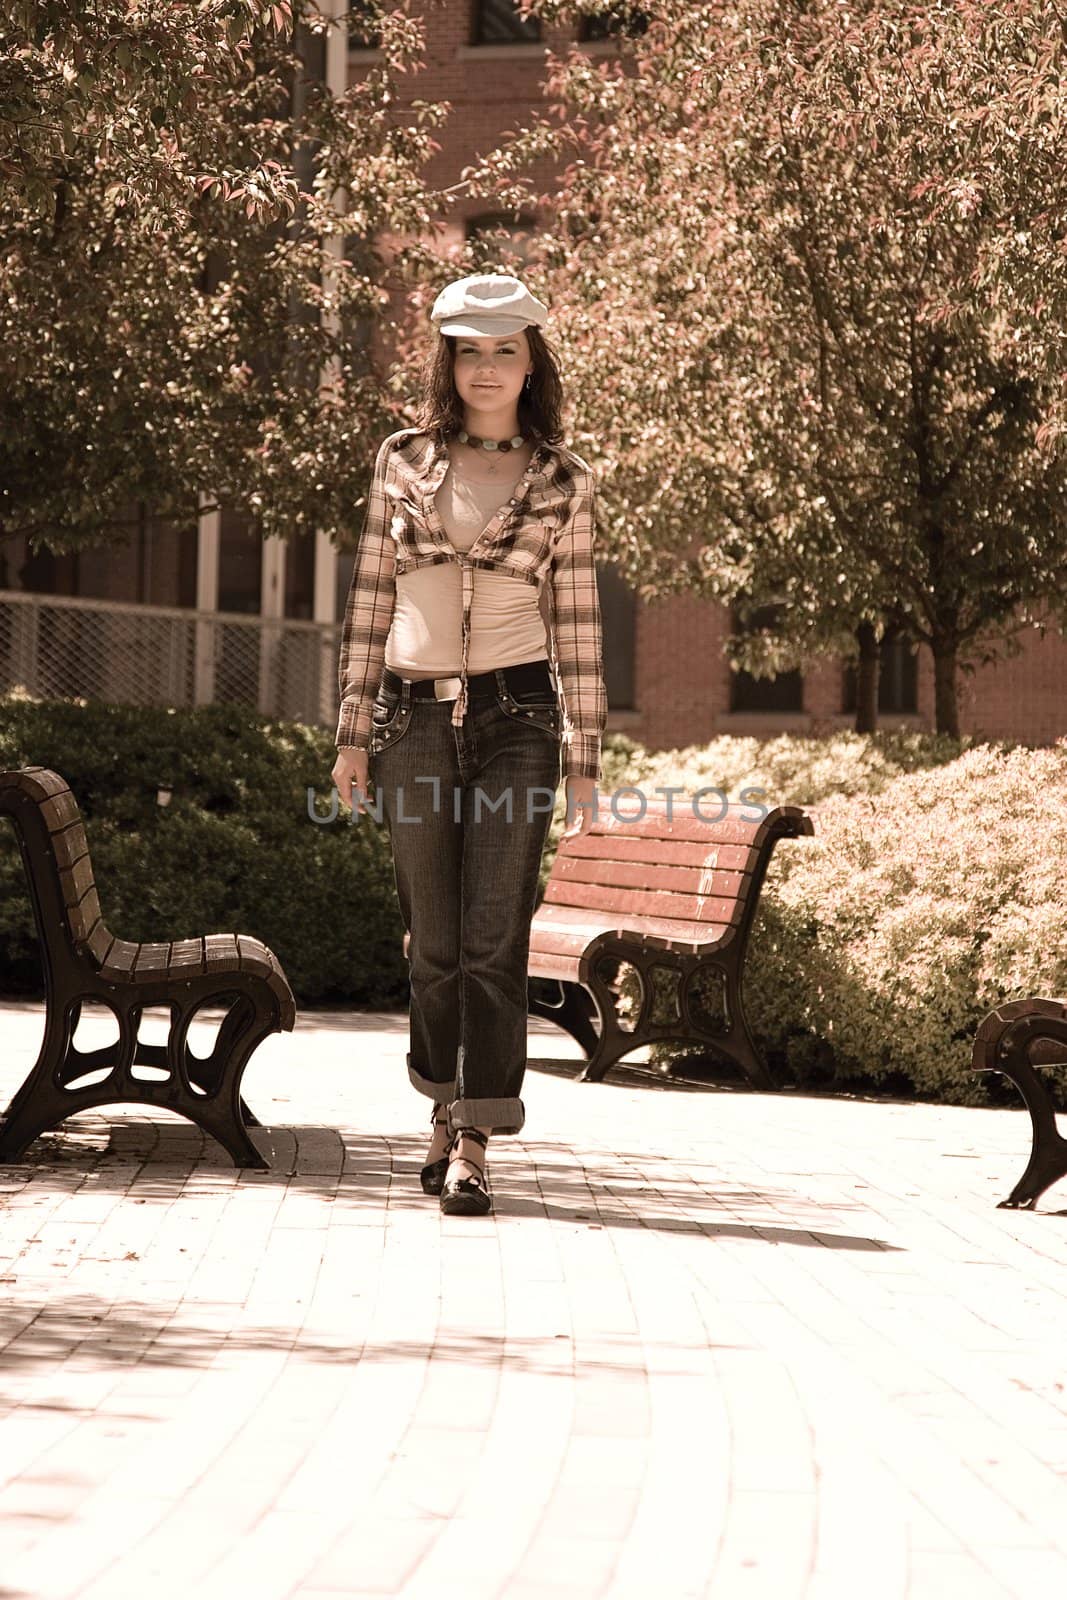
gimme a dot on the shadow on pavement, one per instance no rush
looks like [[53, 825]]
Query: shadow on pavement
[[122, 1338], [164, 1161]]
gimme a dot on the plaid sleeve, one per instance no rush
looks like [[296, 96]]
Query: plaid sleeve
[[368, 615], [578, 636]]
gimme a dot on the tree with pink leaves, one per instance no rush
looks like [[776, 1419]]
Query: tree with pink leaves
[[191, 262], [807, 260]]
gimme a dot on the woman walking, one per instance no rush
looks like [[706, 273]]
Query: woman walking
[[459, 693]]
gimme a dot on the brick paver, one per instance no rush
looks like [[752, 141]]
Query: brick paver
[[712, 1343]]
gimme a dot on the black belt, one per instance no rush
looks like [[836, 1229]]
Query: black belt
[[522, 676]]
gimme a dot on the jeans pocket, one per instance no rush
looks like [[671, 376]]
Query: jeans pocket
[[389, 720], [386, 705], [539, 708]]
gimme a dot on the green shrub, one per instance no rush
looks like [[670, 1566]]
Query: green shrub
[[791, 770], [233, 851], [915, 910], [931, 892]]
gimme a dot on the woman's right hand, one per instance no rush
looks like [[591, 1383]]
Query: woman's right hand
[[349, 775]]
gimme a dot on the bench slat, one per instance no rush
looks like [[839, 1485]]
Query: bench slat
[[545, 965], [120, 959], [99, 943], [632, 905], [559, 941], [220, 950], [680, 852], [76, 882], [645, 875], [256, 957], [70, 846], [40, 783], [59, 811], [186, 957], [151, 960], [575, 919], [84, 917], [76, 879], [253, 955], [738, 827]]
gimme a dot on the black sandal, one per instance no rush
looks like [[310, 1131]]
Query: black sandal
[[432, 1177], [467, 1197]]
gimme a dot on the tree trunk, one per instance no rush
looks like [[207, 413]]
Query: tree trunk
[[946, 697], [867, 669]]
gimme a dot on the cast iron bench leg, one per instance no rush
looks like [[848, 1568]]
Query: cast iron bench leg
[[736, 1043], [42, 1101], [204, 1072], [157, 1055], [1048, 1155], [42, 1104], [221, 1111], [614, 1042], [1014, 1040], [739, 1042]]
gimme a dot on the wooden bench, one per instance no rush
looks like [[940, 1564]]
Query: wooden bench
[[84, 962], [1015, 1039], [675, 897]]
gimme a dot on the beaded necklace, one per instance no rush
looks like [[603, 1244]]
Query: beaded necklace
[[502, 445]]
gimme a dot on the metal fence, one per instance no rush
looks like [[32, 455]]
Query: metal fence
[[54, 647]]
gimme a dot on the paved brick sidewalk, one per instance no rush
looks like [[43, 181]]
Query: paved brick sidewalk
[[711, 1344]]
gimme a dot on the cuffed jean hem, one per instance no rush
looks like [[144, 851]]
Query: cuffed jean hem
[[505, 1115], [441, 1092]]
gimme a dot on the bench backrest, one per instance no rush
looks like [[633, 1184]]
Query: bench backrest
[[56, 855], [669, 876]]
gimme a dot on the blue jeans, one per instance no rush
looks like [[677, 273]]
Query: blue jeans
[[468, 810]]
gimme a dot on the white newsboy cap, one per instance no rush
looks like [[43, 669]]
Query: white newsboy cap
[[487, 304]]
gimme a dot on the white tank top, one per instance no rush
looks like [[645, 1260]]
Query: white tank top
[[508, 619]]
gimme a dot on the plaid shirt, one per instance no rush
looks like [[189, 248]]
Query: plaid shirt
[[545, 531]]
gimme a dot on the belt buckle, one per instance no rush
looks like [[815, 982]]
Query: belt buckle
[[443, 688]]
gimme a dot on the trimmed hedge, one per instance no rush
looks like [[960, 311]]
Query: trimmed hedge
[[931, 892], [791, 770], [916, 909], [234, 850]]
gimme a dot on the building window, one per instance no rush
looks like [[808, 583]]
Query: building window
[[618, 616], [518, 231], [782, 692], [149, 560], [499, 22], [40, 571], [363, 30], [898, 678], [622, 18], [240, 564], [300, 575]]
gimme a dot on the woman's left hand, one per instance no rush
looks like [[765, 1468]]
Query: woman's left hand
[[581, 807]]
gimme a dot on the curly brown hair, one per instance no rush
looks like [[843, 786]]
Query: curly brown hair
[[440, 409]]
